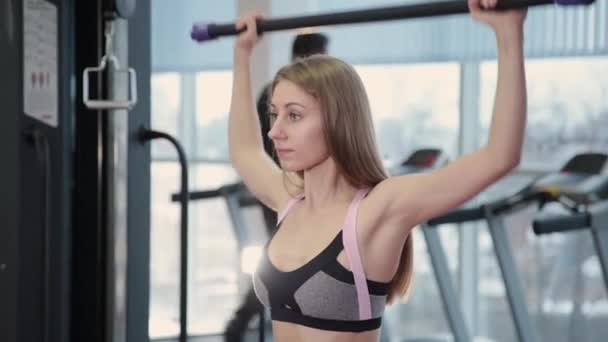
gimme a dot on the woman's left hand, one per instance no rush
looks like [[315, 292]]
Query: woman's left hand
[[483, 11]]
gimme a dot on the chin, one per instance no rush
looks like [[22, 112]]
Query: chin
[[291, 168]]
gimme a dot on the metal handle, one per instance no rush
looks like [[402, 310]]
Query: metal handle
[[561, 223], [109, 104], [459, 216], [109, 57]]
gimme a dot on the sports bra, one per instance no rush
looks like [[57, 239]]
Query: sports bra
[[322, 293]]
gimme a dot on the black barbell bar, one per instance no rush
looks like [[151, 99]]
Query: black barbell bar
[[203, 32]]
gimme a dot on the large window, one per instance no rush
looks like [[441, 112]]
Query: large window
[[164, 251], [413, 106], [567, 108], [166, 105], [213, 91], [213, 253], [567, 114]]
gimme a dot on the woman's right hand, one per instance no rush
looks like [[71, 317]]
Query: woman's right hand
[[247, 39]]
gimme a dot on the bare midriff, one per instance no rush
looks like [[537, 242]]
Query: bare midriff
[[289, 332]]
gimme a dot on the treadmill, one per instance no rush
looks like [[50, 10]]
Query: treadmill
[[589, 211], [578, 180]]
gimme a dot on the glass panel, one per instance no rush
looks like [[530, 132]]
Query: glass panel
[[164, 251], [214, 256], [213, 93], [404, 118], [166, 106], [213, 288], [567, 110], [171, 24]]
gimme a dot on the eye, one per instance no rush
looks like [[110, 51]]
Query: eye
[[272, 116], [293, 116]]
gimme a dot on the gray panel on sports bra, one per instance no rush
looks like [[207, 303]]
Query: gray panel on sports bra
[[323, 296], [261, 291]]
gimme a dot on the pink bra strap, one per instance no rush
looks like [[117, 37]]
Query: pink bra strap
[[290, 204], [349, 239]]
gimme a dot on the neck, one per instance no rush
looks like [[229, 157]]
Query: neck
[[324, 186]]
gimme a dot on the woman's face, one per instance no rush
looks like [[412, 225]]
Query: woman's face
[[296, 128]]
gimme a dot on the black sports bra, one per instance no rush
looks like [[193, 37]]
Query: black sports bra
[[322, 293]]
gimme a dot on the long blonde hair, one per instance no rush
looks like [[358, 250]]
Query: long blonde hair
[[349, 134]]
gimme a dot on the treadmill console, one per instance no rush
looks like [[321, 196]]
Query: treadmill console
[[422, 160], [581, 179]]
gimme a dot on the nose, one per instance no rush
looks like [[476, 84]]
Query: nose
[[276, 131]]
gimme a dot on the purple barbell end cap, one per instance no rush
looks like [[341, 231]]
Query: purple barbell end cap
[[200, 32], [573, 2]]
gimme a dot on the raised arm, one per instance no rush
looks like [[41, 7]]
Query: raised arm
[[412, 199], [258, 171]]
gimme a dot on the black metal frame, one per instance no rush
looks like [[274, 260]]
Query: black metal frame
[[90, 188]]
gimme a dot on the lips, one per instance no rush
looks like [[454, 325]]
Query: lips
[[282, 152]]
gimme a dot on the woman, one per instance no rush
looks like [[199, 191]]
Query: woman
[[343, 247]]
